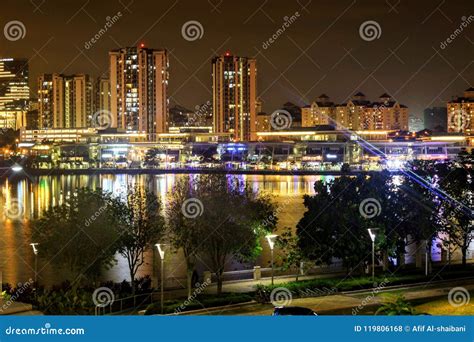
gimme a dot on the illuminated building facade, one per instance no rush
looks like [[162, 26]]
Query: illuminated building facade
[[357, 114], [64, 101], [14, 92], [138, 90], [234, 86], [102, 92], [461, 113], [320, 112]]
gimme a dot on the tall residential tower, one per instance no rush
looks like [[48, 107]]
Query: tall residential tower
[[138, 90], [64, 101], [234, 86]]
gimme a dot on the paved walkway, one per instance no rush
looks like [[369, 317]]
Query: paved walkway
[[359, 303]]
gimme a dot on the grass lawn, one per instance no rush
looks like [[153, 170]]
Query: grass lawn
[[442, 307]]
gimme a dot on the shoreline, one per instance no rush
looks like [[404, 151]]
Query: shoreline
[[50, 172]]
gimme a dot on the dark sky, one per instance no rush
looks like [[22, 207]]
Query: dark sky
[[320, 52]]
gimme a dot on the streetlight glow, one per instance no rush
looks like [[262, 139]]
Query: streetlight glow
[[17, 167], [372, 233], [161, 250], [271, 240], [35, 249], [372, 237]]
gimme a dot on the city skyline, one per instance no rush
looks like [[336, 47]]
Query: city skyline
[[299, 75]]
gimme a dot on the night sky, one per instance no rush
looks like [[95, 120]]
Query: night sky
[[320, 52]]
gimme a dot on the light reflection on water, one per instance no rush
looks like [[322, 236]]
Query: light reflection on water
[[31, 198]]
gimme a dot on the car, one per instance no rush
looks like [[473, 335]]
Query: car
[[293, 311]]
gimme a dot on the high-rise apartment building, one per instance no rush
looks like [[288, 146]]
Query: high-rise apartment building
[[14, 92], [138, 90], [234, 86], [64, 101], [461, 113]]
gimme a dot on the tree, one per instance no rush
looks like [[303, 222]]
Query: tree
[[293, 257], [333, 227], [8, 137], [233, 223], [182, 229], [217, 218], [140, 224], [78, 235], [151, 156], [458, 205]]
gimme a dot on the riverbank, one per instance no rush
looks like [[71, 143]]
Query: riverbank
[[139, 171]]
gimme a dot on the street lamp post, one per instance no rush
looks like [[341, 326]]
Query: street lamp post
[[161, 250], [271, 242], [372, 237], [35, 252]]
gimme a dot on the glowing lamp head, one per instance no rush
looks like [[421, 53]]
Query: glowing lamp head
[[271, 240], [142, 45], [35, 248], [161, 250], [227, 53], [372, 233]]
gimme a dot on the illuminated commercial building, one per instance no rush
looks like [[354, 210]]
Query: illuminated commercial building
[[138, 85], [234, 87], [64, 101], [461, 113], [14, 92]]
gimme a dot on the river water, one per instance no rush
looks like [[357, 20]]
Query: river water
[[24, 199]]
